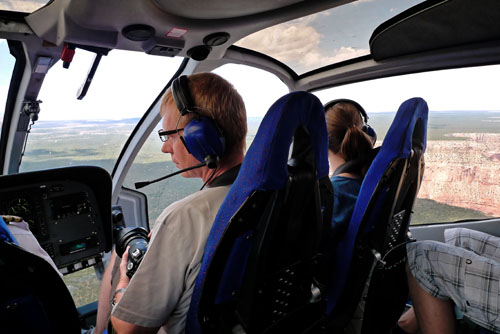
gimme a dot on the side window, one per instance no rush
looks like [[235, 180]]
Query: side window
[[259, 90], [151, 164], [462, 170], [6, 69]]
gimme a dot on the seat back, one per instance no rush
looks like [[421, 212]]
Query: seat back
[[369, 259], [34, 298], [261, 268]]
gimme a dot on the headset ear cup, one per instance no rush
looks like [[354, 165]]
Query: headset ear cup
[[184, 143], [204, 140], [370, 132]]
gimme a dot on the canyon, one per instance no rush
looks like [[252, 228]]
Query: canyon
[[464, 171]]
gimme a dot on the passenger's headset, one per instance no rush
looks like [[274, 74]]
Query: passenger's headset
[[202, 136], [364, 116]]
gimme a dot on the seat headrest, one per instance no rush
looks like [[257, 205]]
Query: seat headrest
[[265, 163]]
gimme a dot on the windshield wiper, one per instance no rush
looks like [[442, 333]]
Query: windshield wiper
[[67, 58]]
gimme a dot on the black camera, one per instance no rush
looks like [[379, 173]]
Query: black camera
[[135, 237]]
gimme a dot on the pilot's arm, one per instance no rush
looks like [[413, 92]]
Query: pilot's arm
[[120, 326]]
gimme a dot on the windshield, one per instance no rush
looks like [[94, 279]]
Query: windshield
[[327, 37], [7, 62], [92, 131]]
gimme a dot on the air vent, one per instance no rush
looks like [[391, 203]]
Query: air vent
[[216, 39], [199, 52], [138, 32]]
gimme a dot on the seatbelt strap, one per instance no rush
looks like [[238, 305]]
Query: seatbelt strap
[[5, 234]]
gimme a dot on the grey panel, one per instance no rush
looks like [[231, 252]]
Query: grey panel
[[135, 208], [435, 231]]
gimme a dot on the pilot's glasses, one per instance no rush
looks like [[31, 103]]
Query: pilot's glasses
[[164, 134]]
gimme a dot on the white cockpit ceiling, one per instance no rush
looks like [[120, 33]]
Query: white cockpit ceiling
[[220, 9]]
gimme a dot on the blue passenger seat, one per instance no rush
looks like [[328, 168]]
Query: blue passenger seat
[[34, 298], [262, 268], [368, 290]]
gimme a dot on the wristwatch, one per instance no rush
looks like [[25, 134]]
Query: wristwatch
[[113, 300]]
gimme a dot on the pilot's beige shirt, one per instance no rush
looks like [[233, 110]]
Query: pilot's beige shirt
[[160, 291]]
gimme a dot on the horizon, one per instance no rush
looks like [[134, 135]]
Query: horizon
[[108, 120]]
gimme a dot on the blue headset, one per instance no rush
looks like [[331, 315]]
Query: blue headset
[[366, 128], [202, 137]]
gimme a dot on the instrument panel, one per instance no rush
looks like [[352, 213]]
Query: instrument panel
[[68, 210]]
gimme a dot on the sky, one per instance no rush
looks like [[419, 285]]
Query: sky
[[327, 37], [127, 82]]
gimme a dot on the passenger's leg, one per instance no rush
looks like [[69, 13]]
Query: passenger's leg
[[408, 322], [434, 315], [478, 242], [447, 272]]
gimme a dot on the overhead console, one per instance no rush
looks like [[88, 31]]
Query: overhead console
[[68, 210], [437, 24]]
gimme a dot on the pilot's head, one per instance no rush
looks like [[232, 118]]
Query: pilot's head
[[209, 116]]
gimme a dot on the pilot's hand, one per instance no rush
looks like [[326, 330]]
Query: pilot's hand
[[124, 279]]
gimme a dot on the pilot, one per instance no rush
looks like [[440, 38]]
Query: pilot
[[202, 109], [350, 145]]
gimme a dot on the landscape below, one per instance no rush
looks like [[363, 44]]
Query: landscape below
[[461, 178]]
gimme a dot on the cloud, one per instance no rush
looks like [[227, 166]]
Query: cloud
[[297, 44], [22, 6], [284, 42], [340, 54]]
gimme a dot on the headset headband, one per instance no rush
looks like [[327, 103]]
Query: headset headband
[[366, 128], [362, 111], [181, 95]]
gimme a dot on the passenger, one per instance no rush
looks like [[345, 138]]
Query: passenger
[[347, 143], [464, 273], [22, 234], [158, 296]]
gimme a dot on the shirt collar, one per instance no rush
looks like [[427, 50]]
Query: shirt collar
[[226, 178]]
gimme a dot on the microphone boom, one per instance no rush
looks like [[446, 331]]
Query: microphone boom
[[142, 184]]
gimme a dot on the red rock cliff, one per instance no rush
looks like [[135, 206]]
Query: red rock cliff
[[464, 172]]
